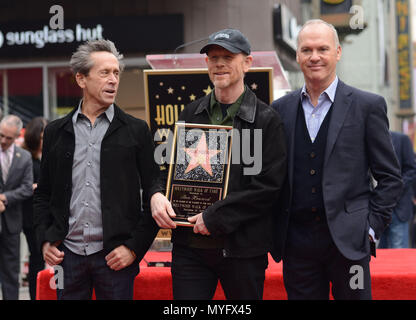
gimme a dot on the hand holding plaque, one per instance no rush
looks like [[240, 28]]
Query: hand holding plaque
[[199, 168]]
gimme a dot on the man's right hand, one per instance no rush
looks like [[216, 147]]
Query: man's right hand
[[51, 254], [162, 211]]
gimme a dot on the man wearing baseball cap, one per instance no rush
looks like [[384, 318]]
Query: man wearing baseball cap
[[230, 239]]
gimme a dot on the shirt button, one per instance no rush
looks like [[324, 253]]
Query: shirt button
[[313, 190], [89, 163], [86, 204], [312, 155], [87, 184], [90, 144], [314, 209], [218, 118], [312, 172]]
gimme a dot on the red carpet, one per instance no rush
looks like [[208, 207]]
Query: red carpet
[[393, 276]]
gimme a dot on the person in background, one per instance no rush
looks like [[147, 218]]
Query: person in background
[[412, 222], [33, 140], [16, 182]]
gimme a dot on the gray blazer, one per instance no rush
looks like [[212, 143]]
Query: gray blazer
[[17, 188], [358, 143]]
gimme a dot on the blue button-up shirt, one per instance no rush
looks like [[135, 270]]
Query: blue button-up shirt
[[314, 116]]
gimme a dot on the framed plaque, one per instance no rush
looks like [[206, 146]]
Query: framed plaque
[[199, 168]]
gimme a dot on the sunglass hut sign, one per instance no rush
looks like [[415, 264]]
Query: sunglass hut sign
[[54, 33], [39, 38]]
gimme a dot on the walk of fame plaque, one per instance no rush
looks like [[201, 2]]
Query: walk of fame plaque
[[199, 168]]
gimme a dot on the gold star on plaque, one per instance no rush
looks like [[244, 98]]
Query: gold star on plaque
[[157, 96], [192, 97], [183, 87], [161, 84], [200, 156], [170, 90], [254, 86], [207, 90], [179, 98]]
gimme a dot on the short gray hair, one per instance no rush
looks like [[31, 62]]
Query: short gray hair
[[81, 62], [12, 120], [319, 21]]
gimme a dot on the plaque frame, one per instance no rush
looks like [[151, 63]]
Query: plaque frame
[[200, 181]]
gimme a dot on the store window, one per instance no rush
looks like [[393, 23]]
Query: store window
[[21, 92], [64, 92]]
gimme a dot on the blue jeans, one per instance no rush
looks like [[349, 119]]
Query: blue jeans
[[396, 235], [83, 273]]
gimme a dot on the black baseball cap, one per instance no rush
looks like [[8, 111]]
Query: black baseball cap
[[230, 39]]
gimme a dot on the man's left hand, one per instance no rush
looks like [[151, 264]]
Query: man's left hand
[[120, 258], [199, 224]]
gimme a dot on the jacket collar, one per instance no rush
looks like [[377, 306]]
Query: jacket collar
[[118, 120], [246, 112]]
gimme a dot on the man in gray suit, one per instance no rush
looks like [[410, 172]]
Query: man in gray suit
[[329, 217], [16, 184]]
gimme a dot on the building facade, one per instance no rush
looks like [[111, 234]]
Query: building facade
[[35, 79]]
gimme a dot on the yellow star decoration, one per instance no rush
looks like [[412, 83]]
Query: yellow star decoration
[[207, 90], [179, 98], [157, 96], [161, 84], [192, 97], [183, 87], [254, 86], [170, 90]]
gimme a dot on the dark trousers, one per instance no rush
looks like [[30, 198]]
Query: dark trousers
[[195, 274], [36, 262], [83, 273], [312, 261], [9, 263]]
